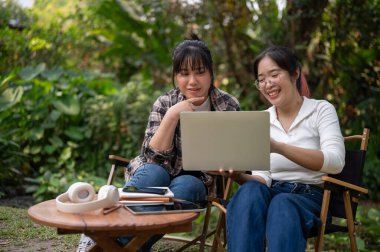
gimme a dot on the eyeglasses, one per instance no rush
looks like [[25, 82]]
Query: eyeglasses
[[262, 82]]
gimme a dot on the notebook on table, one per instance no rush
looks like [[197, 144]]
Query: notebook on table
[[238, 140], [141, 198]]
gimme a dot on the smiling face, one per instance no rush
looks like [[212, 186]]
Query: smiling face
[[193, 80], [276, 84]]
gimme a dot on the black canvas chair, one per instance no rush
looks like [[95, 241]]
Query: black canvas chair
[[342, 192], [341, 198]]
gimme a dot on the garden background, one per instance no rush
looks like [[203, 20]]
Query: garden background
[[78, 78]]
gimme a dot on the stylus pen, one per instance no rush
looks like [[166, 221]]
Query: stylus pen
[[107, 211]]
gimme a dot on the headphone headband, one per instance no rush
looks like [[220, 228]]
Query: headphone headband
[[80, 198]]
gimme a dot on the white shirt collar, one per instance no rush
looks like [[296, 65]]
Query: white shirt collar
[[308, 106], [205, 106]]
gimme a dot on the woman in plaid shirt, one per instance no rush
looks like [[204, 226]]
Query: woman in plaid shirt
[[160, 161]]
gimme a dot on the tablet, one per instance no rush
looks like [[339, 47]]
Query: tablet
[[165, 208]]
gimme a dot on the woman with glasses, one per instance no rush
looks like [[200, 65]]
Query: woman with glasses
[[282, 205]]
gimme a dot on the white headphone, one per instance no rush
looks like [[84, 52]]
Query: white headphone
[[81, 196]]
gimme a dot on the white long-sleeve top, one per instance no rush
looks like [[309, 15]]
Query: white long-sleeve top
[[315, 127]]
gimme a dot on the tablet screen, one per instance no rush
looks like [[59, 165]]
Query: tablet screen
[[172, 207]]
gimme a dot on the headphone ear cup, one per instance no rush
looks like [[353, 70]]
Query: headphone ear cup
[[81, 192], [103, 192], [109, 193]]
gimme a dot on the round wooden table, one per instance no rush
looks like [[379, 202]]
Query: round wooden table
[[105, 228]]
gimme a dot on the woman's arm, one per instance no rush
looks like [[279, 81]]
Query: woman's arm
[[330, 157], [162, 140], [241, 178], [308, 158]]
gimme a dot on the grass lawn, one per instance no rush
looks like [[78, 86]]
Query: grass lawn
[[19, 233]]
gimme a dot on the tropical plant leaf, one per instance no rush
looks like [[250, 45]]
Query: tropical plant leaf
[[74, 133], [67, 104], [30, 72], [53, 74], [10, 97], [374, 214]]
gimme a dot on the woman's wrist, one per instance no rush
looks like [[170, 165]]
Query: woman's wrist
[[172, 114]]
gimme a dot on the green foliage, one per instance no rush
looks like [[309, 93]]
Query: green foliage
[[61, 112], [347, 69], [65, 124], [367, 235], [370, 230]]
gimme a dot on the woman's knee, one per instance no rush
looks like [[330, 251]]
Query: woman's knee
[[253, 189], [189, 188], [283, 206], [251, 193], [150, 175], [282, 200]]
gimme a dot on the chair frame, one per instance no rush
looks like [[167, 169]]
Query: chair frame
[[346, 189], [213, 200], [116, 162], [328, 181], [200, 240]]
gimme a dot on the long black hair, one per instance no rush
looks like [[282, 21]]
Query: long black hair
[[196, 52], [285, 58]]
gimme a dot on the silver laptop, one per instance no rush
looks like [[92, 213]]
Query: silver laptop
[[238, 140]]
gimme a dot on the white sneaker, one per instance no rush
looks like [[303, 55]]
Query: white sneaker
[[85, 243]]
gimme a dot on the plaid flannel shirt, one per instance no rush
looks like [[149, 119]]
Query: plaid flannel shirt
[[171, 159]]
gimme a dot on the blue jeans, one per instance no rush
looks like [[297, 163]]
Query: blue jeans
[[185, 187], [282, 215]]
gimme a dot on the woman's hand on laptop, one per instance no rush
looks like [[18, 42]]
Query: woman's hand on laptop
[[226, 173], [239, 177]]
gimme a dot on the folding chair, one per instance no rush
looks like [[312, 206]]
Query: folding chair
[[341, 193], [116, 162], [221, 228], [220, 191]]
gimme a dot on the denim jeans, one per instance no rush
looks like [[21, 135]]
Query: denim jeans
[[282, 215], [185, 187]]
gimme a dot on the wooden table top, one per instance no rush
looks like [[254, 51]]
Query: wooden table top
[[46, 213]]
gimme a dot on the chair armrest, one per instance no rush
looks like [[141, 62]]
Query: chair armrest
[[119, 161], [220, 206], [344, 184], [219, 203], [116, 162]]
